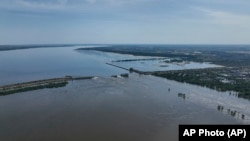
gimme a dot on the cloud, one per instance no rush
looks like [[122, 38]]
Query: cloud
[[62, 3], [66, 5], [43, 4], [224, 17], [116, 2]]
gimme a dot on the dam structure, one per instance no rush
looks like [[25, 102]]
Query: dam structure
[[39, 84]]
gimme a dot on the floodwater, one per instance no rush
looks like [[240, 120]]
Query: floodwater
[[114, 109], [161, 65], [137, 108]]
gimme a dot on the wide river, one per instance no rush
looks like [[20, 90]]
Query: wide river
[[137, 108]]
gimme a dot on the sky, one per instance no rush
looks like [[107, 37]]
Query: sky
[[124, 22]]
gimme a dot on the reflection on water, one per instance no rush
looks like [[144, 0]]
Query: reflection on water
[[115, 109]]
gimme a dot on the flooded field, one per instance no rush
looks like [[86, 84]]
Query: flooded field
[[161, 65], [135, 108]]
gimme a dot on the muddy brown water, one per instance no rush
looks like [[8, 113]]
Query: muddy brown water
[[138, 108]]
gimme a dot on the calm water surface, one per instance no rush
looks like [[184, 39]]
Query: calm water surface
[[137, 108], [42, 63]]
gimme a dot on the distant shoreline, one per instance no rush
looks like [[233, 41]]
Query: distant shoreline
[[19, 47], [8, 47]]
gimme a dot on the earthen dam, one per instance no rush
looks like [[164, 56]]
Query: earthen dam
[[39, 84]]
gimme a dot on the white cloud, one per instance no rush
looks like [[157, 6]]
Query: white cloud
[[223, 17], [60, 3], [121, 2], [46, 4], [66, 5], [116, 2]]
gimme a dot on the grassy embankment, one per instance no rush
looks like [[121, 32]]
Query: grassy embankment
[[31, 88]]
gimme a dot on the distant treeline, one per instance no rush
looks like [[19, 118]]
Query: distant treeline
[[16, 47], [207, 78], [26, 89], [141, 51], [226, 55]]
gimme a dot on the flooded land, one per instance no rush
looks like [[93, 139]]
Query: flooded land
[[191, 64], [132, 106], [114, 109]]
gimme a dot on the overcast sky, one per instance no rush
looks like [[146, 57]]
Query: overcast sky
[[125, 21]]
